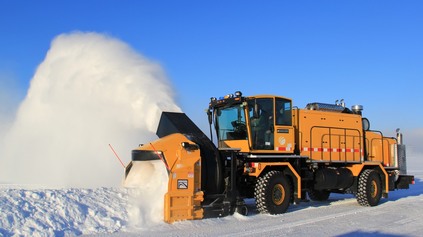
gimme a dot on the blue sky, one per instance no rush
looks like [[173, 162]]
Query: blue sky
[[366, 52]]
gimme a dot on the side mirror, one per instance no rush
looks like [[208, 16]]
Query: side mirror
[[209, 116], [366, 124]]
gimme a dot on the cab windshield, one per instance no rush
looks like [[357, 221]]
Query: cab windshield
[[231, 123]]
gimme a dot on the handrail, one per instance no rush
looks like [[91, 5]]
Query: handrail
[[331, 135]]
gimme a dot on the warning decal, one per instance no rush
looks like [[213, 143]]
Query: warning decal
[[182, 183]]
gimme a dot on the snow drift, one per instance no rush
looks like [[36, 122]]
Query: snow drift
[[91, 90]]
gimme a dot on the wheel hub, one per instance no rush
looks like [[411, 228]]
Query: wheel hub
[[278, 194], [373, 189]]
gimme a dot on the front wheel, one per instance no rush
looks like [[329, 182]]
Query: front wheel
[[369, 188], [272, 193]]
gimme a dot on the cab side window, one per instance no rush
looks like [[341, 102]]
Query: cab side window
[[262, 123], [283, 112]]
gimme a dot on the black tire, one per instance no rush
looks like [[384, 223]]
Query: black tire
[[318, 195], [369, 189], [272, 193]]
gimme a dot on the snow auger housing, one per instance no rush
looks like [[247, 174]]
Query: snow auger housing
[[194, 166], [273, 152]]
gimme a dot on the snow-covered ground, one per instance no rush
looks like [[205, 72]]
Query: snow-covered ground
[[25, 211]]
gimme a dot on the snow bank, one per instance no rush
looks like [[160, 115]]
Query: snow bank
[[62, 212], [73, 212]]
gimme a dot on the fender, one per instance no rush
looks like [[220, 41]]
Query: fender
[[356, 169], [257, 168]]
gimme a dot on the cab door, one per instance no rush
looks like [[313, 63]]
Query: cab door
[[284, 139]]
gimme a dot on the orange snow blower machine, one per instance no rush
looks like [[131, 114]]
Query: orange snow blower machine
[[273, 152]]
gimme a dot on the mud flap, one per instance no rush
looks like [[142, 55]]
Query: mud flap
[[404, 181]]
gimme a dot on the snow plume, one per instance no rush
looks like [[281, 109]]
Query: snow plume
[[9, 97], [91, 90]]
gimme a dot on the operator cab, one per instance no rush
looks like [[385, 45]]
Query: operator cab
[[260, 123]]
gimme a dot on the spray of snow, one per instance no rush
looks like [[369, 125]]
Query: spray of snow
[[90, 91], [9, 97], [147, 197]]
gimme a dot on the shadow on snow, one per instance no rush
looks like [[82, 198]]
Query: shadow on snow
[[414, 190]]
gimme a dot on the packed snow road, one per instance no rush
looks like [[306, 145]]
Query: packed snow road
[[400, 215]]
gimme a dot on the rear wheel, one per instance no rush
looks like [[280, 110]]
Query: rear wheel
[[272, 193], [369, 188]]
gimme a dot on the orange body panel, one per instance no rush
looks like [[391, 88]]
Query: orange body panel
[[381, 149], [284, 139], [243, 145], [329, 136]]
